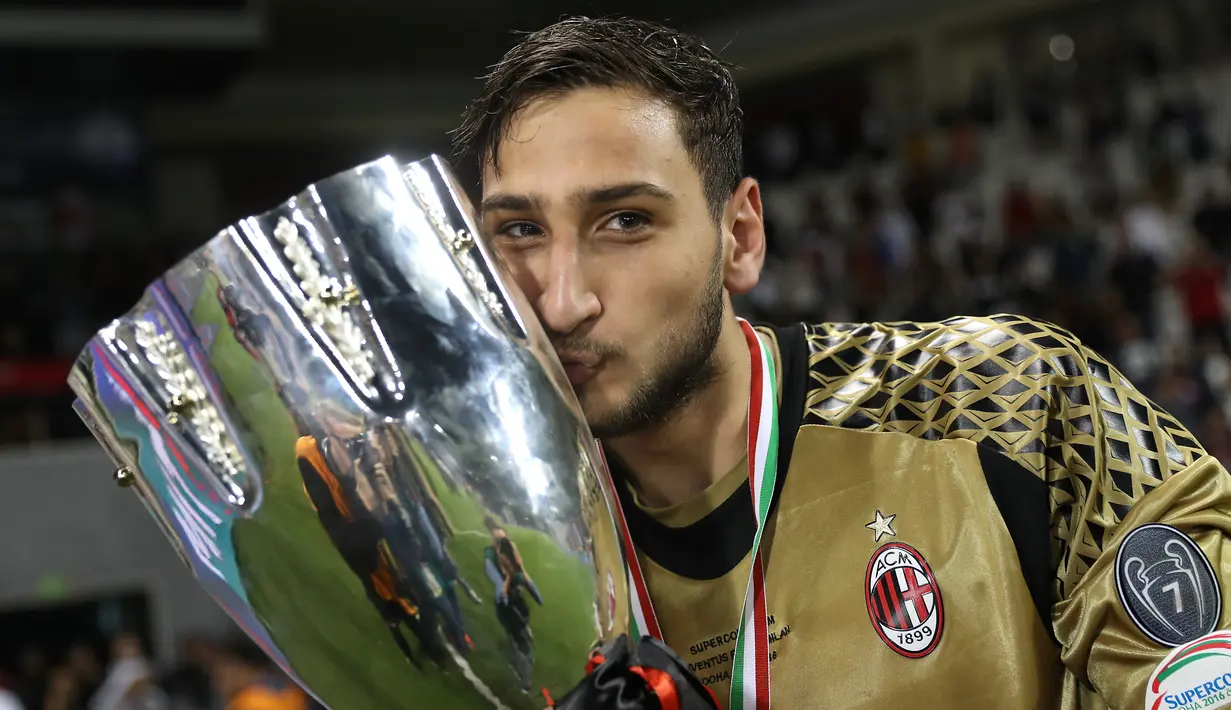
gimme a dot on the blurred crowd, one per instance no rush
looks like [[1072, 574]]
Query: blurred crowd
[[1103, 207], [1095, 195], [54, 300], [208, 674]]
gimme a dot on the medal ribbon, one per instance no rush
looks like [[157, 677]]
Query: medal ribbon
[[750, 667]]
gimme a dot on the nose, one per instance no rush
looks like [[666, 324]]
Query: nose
[[568, 299]]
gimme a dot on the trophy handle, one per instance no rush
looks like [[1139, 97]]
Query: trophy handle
[[126, 476]]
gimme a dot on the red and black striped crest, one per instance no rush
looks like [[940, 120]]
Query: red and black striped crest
[[904, 600]]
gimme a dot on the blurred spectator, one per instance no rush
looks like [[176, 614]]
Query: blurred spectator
[[188, 684], [204, 677], [1019, 216], [84, 663], [72, 219], [1212, 220], [31, 676], [246, 680], [1134, 276], [130, 680], [1139, 356], [894, 232], [1179, 393], [1201, 281], [964, 148], [919, 195], [1215, 367], [1217, 435], [9, 699], [986, 290], [1151, 231], [63, 691], [1074, 249]]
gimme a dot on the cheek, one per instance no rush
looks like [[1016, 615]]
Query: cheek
[[524, 287], [682, 272], [518, 266], [655, 292]]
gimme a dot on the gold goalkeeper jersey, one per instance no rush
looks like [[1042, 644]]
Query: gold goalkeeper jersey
[[979, 513]]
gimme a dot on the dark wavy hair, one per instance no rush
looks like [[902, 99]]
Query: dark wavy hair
[[665, 64]]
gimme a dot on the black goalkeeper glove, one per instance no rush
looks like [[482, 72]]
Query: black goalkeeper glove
[[648, 677]]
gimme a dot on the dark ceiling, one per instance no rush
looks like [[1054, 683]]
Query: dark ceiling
[[463, 36], [326, 38]]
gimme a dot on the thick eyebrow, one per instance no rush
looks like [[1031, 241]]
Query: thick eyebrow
[[581, 198], [512, 203], [613, 193]]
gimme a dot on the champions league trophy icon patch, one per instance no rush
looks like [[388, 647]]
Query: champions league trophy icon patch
[[1166, 585]]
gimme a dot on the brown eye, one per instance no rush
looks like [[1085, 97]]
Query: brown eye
[[627, 222], [519, 230]]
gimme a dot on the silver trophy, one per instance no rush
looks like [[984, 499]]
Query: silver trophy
[[360, 440]]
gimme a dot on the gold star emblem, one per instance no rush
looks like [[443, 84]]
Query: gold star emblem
[[882, 526]]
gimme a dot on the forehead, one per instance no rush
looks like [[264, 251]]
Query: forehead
[[591, 136]]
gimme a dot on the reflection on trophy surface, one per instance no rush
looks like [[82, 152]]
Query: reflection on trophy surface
[[361, 443]]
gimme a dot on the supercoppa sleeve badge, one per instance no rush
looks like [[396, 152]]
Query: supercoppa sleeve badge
[[1194, 675], [1167, 585]]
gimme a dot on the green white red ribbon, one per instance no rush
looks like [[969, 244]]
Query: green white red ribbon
[[750, 667]]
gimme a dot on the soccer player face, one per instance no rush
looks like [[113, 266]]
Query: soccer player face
[[602, 219]]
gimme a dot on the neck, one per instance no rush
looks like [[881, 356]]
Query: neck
[[678, 459]]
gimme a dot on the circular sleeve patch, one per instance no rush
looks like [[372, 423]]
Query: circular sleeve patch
[[1167, 585], [1195, 675]]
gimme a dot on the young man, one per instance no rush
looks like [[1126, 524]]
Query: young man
[[508, 560], [357, 531], [421, 561], [504, 567], [980, 511]]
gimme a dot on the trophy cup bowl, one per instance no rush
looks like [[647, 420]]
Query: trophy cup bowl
[[359, 439]]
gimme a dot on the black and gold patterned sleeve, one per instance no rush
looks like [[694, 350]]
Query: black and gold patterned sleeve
[[1144, 514]]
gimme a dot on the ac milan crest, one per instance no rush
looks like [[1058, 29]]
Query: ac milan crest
[[904, 600]]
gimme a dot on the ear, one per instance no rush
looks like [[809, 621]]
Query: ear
[[743, 234]]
